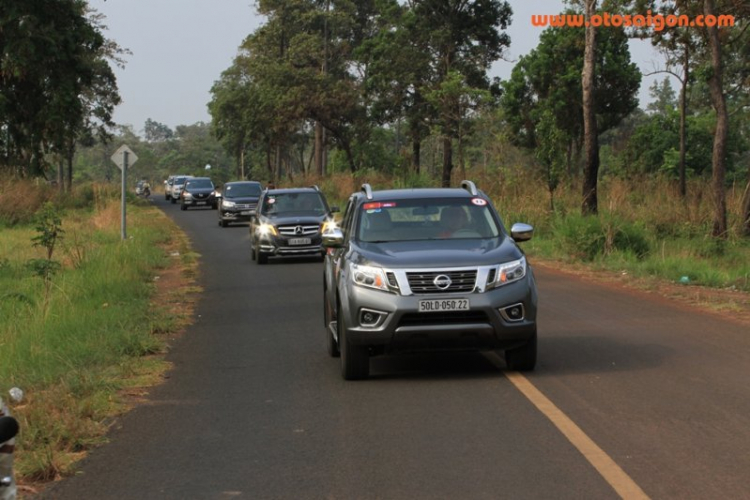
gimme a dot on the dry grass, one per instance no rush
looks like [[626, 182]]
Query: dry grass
[[652, 201], [20, 199]]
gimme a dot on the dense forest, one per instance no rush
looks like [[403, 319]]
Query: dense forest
[[401, 90]]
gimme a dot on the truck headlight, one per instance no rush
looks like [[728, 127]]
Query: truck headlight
[[369, 276], [507, 273]]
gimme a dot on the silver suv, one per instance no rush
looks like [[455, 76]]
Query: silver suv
[[415, 270], [175, 187]]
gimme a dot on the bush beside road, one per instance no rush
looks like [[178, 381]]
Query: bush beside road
[[85, 347]]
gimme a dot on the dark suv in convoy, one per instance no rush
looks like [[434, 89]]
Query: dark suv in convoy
[[198, 192], [238, 201], [289, 222], [427, 269]]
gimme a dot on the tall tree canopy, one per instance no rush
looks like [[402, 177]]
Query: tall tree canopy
[[351, 66], [548, 79], [56, 83]]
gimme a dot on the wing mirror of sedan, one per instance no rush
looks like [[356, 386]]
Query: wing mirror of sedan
[[8, 428], [521, 232], [333, 238]]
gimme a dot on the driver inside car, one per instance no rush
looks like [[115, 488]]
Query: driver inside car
[[452, 219]]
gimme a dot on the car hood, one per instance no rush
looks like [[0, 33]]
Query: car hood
[[295, 219], [200, 190], [438, 253]]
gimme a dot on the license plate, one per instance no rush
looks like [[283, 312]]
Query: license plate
[[200, 202], [300, 241], [440, 305], [246, 212]]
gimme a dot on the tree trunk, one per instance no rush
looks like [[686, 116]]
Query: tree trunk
[[349, 156], [746, 208], [590, 131], [718, 100], [269, 165], [416, 151], [277, 163], [683, 123], [310, 160], [447, 161], [61, 175], [242, 162], [416, 146], [319, 149], [69, 184]]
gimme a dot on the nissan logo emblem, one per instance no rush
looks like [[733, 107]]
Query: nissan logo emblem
[[298, 230], [442, 282]]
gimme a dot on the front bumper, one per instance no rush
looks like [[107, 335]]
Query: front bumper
[[402, 328], [282, 246], [199, 202], [236, 214]]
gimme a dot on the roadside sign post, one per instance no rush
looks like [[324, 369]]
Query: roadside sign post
[[124, 158]]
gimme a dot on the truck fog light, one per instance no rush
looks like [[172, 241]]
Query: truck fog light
[[513, 313], [370, 318]]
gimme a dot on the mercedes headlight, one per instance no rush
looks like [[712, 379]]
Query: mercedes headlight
[[267, 230], [329, 225], [507, 273]]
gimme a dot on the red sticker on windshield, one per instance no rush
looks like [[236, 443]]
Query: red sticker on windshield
[[479, 202], [371, 206]]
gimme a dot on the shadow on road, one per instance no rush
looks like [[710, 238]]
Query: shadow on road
[[592, 353], [432, 366]]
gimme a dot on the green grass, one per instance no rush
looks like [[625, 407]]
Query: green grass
[[642, 251], [75, 350]]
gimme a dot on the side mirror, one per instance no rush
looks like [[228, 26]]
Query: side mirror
[[521, 232], [8, 428], [333, 238]]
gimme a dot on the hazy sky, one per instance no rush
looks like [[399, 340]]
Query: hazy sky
[[180, 47]]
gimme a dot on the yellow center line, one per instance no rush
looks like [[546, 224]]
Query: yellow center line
[[609, 470]]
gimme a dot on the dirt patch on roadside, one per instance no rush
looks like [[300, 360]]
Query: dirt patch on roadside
[[729, 303]]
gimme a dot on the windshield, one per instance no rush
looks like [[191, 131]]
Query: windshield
[[179, 180], [199, 184], [241, 190], [426, 219], [293, 203]]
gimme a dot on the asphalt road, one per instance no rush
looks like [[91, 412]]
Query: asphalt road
[[254, 408]]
